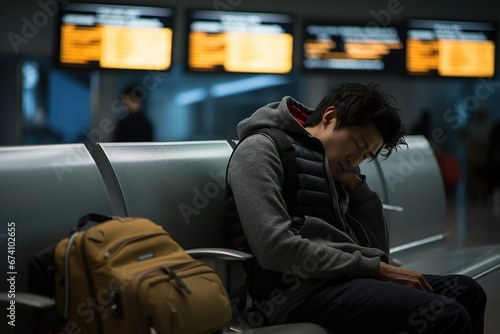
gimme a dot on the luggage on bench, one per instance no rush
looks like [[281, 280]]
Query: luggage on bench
[[127, 275]]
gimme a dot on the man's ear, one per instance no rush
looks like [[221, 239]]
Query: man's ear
[[328, 116]]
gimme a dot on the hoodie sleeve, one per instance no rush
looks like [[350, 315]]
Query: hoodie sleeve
[[366, 208], [255, 176]]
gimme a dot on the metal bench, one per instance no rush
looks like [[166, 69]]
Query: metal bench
[[44, 189]]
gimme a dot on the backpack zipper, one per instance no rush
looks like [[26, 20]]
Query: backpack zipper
[[172, 274], [121, 243], [169, 270]]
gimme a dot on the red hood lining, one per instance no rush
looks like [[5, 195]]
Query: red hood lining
[[298, 114]]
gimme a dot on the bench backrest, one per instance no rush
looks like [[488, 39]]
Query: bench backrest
[[44, 190], [412, 180], [177, 185]]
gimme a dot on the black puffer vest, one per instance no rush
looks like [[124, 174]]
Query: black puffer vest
[[313, 195]]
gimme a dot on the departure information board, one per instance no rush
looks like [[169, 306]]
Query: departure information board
[[240, 42], [336, 46], [450, 49], [112, 36]]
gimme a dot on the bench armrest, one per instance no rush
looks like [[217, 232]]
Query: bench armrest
[[396, 208], [27, 300], [221, 259], [224, 254]]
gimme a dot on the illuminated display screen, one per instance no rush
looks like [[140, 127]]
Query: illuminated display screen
[[239, 42], [450, 49], [329, 46], [111, 36]]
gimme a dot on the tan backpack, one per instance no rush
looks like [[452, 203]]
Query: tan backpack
[[127, 275]]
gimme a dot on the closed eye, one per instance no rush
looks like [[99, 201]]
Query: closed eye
[[358, 146], [370, 153]]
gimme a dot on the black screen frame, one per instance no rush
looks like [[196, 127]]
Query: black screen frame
[[170, 21], [396, 60], [435, 73], [220, 70]]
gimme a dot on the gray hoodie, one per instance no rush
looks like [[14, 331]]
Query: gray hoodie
[[320, 251]]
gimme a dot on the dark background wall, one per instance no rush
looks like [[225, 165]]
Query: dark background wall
[[79, 105]]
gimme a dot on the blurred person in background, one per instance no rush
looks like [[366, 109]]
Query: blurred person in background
[[494, 164], [135, 126], [477, 145], [424, 125]]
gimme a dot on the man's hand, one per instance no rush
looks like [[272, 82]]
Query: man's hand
[[403, 276], [348, 179]]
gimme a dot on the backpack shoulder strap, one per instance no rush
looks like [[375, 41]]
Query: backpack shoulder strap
[[287, 155]]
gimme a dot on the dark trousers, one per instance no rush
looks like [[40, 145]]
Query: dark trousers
[[362, 305]]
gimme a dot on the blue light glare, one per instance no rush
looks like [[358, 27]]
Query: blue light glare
[[229, 88], [247, 85], [191, 96]]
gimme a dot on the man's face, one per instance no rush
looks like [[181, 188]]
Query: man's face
[[348, 147]]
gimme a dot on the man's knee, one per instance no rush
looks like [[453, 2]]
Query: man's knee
[[480, 293], [469, 292], [439, 315], [456, 319]]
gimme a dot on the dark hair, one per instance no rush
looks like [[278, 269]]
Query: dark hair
[[358, 105]]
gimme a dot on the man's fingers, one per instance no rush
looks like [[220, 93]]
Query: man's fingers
[[423, 285], [426, 285]]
